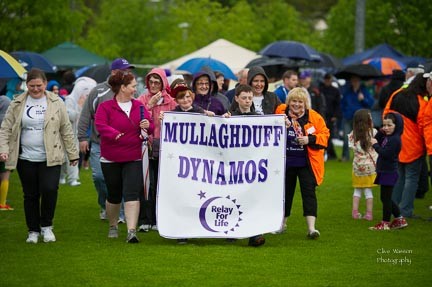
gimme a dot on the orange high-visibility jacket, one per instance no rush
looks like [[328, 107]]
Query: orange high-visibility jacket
[[316, 123], [413, 144], [427, 129]]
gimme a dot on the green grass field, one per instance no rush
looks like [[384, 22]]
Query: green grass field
[[346, 254]]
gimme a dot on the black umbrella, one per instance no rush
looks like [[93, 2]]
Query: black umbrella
[[274, 66], [292, 50], [329, 62], [99, 73], [364, 71]]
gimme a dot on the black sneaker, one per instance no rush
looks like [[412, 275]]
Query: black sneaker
[[131, 237], [256, 241], [182, 241]]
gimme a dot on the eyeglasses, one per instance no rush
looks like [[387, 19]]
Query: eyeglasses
[[155, 83], [203, 84]]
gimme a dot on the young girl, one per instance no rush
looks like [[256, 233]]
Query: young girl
[[363, 172], [387, 143]]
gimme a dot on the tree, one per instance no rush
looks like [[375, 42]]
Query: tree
[[40, 25], [404, 25]]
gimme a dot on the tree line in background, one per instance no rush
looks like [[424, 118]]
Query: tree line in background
[[157, 31]]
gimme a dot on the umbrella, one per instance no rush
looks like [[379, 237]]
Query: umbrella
[[99, 73], [274, 67], [145, 158], [194, 65], [9, 67], [329, 62], [385, 65], [31, 60], [292, 50], [363, 71]]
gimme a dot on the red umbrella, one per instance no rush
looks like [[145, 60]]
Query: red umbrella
[[385, 65]]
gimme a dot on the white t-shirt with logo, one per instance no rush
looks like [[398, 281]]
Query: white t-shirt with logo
[[32, 130], [257, 100]]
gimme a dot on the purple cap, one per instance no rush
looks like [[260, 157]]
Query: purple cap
[[121, 64], [305, 74]]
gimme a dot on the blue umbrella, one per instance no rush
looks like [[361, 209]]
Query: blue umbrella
[[195, 65], [31, 60], [292, 50], [9, 67]]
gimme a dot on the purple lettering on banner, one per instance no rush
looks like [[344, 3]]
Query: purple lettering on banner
[[235, 135], [170, 132], [195, 164], [250, 171], [203, 138], [194, 137], [184, 132], [184, 167], [208, 171], [236, 174], [213, 136], [262, 167], [277, 135], [223, 136], [246, 136], [257, 135], [267, 134], [220, 177]]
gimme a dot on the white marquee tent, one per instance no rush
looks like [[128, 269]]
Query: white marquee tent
[[234, 56]]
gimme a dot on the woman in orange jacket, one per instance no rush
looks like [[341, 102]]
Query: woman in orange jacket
[[307, 138], [409, 102]]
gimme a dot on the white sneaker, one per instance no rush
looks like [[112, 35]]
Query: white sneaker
[[32, 237], [154, 227], [75, 183], [62, 181], [144, 228], [121, 220], [47, 234], [103, 214]]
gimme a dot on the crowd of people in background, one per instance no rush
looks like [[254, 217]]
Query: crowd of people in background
[[387, 125]]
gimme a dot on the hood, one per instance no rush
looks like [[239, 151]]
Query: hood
[[256, 70], [161, 73], [51, 84], [199, 74], [399, 124], [11, 87], [210, 72], [83, 86]]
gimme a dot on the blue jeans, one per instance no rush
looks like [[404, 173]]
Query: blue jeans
[[347, 128], [98, 178], [406, 186]]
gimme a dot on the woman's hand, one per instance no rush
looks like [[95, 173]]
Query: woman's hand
[[73, 162], [209, 113], [161, 116], [155, 98], [4, 156], [144, 124], [303, 140]]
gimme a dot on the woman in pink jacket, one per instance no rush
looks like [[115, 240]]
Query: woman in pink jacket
[[157, 99], [119, 123]]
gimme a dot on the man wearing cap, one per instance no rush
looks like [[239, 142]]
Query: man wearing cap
[[101, 93]]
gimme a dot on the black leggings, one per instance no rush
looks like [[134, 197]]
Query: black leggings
[[389, 206]]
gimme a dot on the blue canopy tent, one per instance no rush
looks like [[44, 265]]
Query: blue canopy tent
[[382, 50]]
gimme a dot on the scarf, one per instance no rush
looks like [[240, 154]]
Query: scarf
[[294, 122]]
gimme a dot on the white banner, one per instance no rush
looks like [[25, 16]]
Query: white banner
[[220, 177]]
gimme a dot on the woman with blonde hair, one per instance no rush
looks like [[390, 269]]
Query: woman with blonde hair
[[307, 138]]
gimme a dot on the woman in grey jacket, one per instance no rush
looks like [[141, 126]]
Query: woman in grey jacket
[[34, 136]]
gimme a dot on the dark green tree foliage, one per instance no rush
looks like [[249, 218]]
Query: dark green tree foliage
[[405, 25], [40, 25]]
